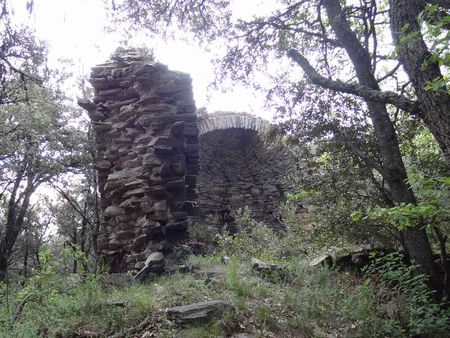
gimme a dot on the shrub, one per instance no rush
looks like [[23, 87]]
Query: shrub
[[256, 239], [425, 317]]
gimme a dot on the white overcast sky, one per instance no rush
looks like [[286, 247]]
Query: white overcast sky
[[74, 29]]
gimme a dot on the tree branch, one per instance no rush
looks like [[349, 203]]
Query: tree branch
[[74, 204], [367, 93], [390, 73]]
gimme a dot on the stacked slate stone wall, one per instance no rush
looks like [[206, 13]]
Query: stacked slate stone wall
[[239, 168], [147, 160]]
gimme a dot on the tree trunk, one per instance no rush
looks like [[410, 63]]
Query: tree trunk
[[25, 259], [3, 265], [421, 69], [93, 182], [442, 239], [17, 209], [394, 171], [84, 224], [74, 247]]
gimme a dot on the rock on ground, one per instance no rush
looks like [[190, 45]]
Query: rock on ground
[[204, 311], [325, 260]]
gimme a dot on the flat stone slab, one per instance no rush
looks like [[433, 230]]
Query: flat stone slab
[[261, 266], [204, 311], [325, 260]]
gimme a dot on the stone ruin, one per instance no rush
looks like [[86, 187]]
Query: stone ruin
[[159, 164], [239, 168]]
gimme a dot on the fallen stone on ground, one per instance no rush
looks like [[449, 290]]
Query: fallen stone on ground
[[213, 272], [199, 312], [267, 269], [325, 260], [176, 268], [153, 264], [261, 266]]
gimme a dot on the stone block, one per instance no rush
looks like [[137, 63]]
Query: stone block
[[177, 129], [203, 312], [114, 210], [124, 235], [140, 243]]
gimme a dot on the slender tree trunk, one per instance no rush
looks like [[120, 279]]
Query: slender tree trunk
[[421, 69], [416, 239], [83, 233], [17, 208], [442, 239], [74, 247], [25, 259], [96, 230], [3, 266], [93, 182], [10, 220]]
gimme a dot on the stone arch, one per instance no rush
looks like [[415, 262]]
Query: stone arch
[[238, 168], [230, 120]]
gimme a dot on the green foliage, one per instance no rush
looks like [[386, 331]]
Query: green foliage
[[302, 194], [265, 315], [439, 83], [430, 212], [405, 216], [202, 232], [435, 22], [178, 289], [74, 253], [328, 199], [323, 299], [252, 239], [41, 140], [316, 301], [210, 331], [198, 262], [409, 37], [22, 59], [424, 153], [63, 305], [239, 284], [425, 317], [256, 239]]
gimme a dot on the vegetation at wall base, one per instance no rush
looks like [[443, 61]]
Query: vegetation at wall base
[[385, 301]]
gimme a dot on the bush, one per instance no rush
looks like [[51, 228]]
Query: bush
[[256, 239], [397, 280], [54, 305]]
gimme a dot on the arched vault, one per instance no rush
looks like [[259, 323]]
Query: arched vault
[[230, 120]]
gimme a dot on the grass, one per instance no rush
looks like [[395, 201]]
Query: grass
[[315, 303], [298, 302], [310, 303], [85, 308]]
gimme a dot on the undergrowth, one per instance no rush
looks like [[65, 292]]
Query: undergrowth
[[300, 302]]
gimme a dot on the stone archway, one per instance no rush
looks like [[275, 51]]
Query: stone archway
[[238, 168], [231, 120]]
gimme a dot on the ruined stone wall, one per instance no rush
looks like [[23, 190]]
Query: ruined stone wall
[[238, 169], [147, 160]]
